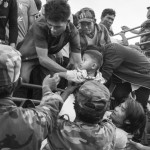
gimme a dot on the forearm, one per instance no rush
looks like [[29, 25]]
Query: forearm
[[65, 95], [51, 65]]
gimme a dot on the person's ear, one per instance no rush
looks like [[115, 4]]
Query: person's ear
[[94, 66], [127, 122]]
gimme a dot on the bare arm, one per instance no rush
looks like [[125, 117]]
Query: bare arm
[[124, 28], [47, 62]]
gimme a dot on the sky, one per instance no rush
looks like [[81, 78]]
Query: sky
[[131, 13]]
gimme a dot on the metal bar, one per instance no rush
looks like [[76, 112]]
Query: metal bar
[[35, 86], [128, 30], [17, 99], [148, 42], [138, 35]]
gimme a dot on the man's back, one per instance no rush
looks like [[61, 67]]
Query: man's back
[[81, 136]]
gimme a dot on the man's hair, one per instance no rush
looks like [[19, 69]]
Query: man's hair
[[135, 115], [57, 10], [108, 11]]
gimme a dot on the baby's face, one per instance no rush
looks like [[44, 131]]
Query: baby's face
[[87, 62]]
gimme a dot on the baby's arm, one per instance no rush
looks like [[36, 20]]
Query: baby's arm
[[76, 76]]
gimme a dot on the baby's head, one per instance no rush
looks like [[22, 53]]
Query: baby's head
[[92, 60]]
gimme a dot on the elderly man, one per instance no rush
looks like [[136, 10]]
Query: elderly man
[[90, 32]]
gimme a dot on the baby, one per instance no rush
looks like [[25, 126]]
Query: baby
[[88, 70]]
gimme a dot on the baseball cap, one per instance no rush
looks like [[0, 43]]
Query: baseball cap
[[10, 64], [97, 96], [86, 15]]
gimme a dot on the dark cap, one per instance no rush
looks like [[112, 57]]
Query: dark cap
[[86, 15], [96, 95]]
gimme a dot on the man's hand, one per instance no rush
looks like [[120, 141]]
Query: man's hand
[[133, 145], [51, 83], [125, 28]]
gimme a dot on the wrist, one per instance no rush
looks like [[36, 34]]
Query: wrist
[[46, 89]]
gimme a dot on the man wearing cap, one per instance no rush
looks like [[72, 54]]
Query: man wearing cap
[[88, 131], [91, 33]]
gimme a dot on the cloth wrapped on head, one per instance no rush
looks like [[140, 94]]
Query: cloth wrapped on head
[[86, 15], [10, 64]]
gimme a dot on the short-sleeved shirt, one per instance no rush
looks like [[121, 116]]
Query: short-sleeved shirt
[[26, 8], [40, 36]]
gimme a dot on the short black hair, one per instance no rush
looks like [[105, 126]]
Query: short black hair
[[57, 10], [108, 11], [38, 4], [135, 115]]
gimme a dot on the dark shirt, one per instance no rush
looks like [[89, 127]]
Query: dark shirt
[[8, 12], [40, 36]]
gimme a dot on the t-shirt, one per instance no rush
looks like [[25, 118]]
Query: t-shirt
[[26, 8], [40, 36]]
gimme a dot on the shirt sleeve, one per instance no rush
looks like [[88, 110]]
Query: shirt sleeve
[[75, 40], [13, 25], [77, 76], [111, 61], [39, 34]]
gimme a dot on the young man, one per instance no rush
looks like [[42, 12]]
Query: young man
[[90, 32], [128, 117], [47, 37], [107, 19]]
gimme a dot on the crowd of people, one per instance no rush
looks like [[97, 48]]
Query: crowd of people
[[105, 82]]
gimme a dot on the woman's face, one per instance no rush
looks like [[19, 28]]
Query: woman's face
[[119, 114]]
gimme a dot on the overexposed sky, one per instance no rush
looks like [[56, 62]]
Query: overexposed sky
[[128, 12]]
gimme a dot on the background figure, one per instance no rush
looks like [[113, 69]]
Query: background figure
[[107, 18], [26, 16], [124, 28], [8, 13], [90, 32]]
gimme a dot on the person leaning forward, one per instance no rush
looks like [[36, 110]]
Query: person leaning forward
[[47, 37]]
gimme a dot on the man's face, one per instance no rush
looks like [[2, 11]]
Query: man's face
[[87, 62], [87, 27], [119, 114], [56, 28], [108, 20]]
